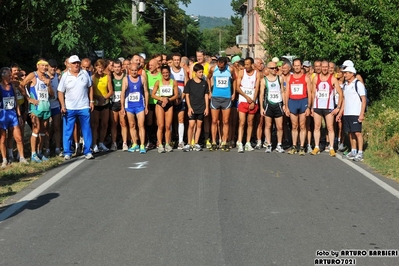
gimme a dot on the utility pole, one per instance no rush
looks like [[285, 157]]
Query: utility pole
[[134, 12], [164, 28], [220, 41]]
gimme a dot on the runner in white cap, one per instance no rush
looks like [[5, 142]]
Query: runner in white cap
[[354, 109]]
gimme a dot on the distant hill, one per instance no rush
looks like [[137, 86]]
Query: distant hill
[[212, 22]]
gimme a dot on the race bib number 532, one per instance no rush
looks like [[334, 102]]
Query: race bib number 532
[[222, 82]]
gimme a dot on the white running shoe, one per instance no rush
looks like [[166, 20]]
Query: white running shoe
[[168, 148], [95, 149], [268, 148], [125, 147], [248, 146], [161, 149], [197, 147], [279, 149], [187, 148], [89, 156], [240, 147], [180, 146]]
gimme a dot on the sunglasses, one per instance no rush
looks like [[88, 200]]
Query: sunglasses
[[273, 68]]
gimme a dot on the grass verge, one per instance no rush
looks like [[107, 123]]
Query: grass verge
[[16, 176], [381, 135]]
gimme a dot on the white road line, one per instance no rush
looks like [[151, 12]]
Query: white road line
[[371, 177], [36, 192]]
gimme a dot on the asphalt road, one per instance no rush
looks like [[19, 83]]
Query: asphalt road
[[203, 208]]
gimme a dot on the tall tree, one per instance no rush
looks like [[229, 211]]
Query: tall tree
[[33, 28], [236, 28], [364, 31]]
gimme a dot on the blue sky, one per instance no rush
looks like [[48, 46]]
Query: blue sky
[[210, 8]]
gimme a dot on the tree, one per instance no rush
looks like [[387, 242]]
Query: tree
[[337, 30], [56, 29], [236, 28]]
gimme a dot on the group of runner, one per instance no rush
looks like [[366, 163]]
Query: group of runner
[[175, 99]]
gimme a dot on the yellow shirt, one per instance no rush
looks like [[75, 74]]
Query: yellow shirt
[[101, 87], [206, 69]]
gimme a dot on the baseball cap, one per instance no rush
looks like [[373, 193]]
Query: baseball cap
[[143, 55], [73, 59], [52, 63], [235, 59], [307, 64], [275, 59], [348, 63], [349, 69], [279, 63]]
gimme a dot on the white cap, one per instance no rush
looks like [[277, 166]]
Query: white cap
[[121, 59], [275, 59], [143, 55], [348, 63], [307, 64], [73, 59], [349, 69]]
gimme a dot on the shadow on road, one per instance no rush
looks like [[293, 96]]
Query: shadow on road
[[16, 208]]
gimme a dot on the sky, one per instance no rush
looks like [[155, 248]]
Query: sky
[[209, 8]]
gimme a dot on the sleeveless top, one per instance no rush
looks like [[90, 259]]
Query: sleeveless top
[[206, 70], [7, 100], [101, 88], [179, 77], [117, 84], [39, 92], [222, 83], [298, 88], [54, 103], [20, 97], [324, 97], [151, 82], [273, 91], [134, 94], [247, 86], [165, 90]]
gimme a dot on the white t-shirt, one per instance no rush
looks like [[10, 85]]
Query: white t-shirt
[[353, 103], [76, 90]]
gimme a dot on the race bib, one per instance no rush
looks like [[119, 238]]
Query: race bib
[[248, 91], [222, 82], [42, 95], [8, 103], [274, 97], [297, 89], [117, 96], [322, 94], [134, 97], [166, 91]]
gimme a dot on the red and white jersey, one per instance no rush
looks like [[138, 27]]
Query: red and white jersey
[[324, 96]]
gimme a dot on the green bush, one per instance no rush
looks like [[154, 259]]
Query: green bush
[[381, 134]]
